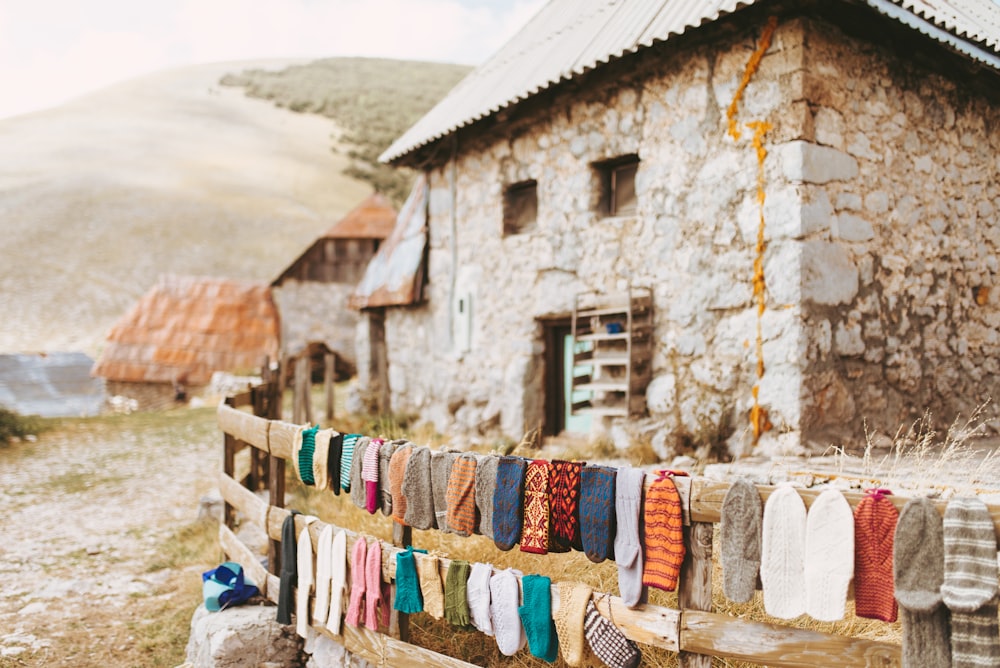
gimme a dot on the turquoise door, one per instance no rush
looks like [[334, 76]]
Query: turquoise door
[[575, 423]]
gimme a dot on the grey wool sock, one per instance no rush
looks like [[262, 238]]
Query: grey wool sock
[[740, 535], [926, 638], [975, 638], [970, 555], [918, 556], [358, 495], [417, 489], [384, 456], [441, 463], [628, 541], [486, 482]]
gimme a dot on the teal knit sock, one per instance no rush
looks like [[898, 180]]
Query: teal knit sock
[[536, 617], [408, 598]]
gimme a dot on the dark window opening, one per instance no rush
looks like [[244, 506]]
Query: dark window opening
[[617, 183], [520, 207]]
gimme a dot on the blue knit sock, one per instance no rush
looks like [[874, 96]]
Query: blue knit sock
[[508, 499]]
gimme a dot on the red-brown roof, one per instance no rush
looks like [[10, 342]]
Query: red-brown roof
[[185, 328], [374, 218]]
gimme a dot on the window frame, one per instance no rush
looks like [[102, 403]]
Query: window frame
[[515, 196]]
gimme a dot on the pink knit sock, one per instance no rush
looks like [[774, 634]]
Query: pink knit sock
[[357, 581], [373, 585]]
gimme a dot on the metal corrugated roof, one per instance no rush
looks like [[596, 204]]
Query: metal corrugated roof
[[50, 385], [569, 37], [374, 218]]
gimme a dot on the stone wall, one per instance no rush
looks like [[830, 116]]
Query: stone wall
[[311, 311], [872, 249]]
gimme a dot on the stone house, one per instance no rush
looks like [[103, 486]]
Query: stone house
[[311, 293], [809, 191]]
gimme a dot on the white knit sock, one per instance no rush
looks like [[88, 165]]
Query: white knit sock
[[324, 556], [505, 599], [304, 561], [829, 556], [338, 581], [478, 594], [782, 561], [628, 549]]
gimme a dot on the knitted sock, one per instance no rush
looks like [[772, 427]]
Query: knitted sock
[[338, 581], [324, 575], [568, 618], [504, 601], [359, 554], [740, 538], [486, 481], [461, 516], [289, 570], [304, 557], [918, 556], [478, 597], [564, 493], [385, 609], [334, 458], [408, 597], [507, 499], [417, 490], [359, 495], [782, 559], [535, 528], [926, 638], [321, 474], [373, 584], [384, 457], [597, 512], [874, 526], [441, 463], [304, 456], [536, 615], [829, 556], [429, 573], [347, 460], [970, 555], [664, 535], [397, 469], [369, 473], [608, 643], [628, 545], [975, 636], [456, 604]]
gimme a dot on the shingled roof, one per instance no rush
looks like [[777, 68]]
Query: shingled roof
[[185, 328], [570, 37]]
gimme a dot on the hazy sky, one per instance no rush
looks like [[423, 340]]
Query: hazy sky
[[54, 50]]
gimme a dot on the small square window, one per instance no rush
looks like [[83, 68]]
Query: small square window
[[520, 207], [618, 185]]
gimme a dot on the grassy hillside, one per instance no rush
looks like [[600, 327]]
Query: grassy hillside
[[372, 100]]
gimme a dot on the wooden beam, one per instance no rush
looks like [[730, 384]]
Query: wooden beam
[[239, 552], [244, 427], [243, 500], [775, 645], [280, 438]]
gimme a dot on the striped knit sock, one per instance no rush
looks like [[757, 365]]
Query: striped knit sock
[[597, 512], [926, 638], [535, 530], [347, 460], [975, 638], [608, 643], [664, 535], [369, 473], [970, 555], [397, 469], [461, 515]]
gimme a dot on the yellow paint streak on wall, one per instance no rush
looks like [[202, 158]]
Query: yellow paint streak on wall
[[758, 414]]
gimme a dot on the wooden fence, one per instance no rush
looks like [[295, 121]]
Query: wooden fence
[[694, 630]]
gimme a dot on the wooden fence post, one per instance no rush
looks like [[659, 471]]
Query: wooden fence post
[[399, 622], [329, 369], [696, 585]]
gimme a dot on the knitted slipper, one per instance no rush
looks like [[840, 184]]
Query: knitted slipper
[[782, 559], [970, 555], [664, 535], [478, 597], [359, 554], [564, 492], [397, 470], [608, 643], [486, 482], [338, 581], [429, 573], [456, 603], [507, 499], [918, 556], [535, 529], [408, 598], [417, 490], [504, 602], [597, 512], [373, 584], [573, 599], [628, 544], [739, 531], [441, 463], [874, 529], [829, 556], [536, 616], [461, 515]]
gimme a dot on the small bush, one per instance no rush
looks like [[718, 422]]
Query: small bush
[[14, 425]]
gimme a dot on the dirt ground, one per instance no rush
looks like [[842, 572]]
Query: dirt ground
[[101, 550]]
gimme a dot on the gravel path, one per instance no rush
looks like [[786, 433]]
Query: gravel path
[[84, 513]]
